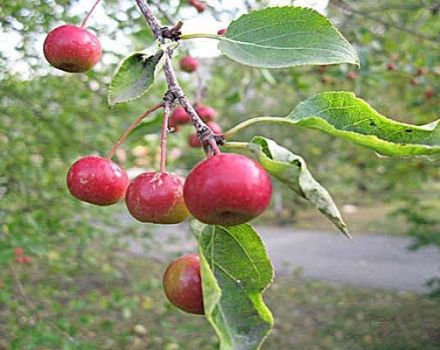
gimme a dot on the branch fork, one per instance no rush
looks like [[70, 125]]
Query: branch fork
[[209, 140]]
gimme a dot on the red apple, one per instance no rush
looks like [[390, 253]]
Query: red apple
[[194, 141], [207, 113], [429, 93], [19, 251], [97, 180], [178, 117], [227, 189], [221, 31], [72, 49], [182, 284], [391, 66], [199, 5], [157, 198], [189, 64], [27, 260]]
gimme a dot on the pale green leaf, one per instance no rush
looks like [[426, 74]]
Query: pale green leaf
[[344, 115], [135, 75], [292, 170], [235, 272], [277, 37]]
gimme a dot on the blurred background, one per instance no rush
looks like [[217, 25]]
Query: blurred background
[[92, 279]]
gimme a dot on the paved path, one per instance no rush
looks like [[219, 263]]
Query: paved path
[[375, 261]]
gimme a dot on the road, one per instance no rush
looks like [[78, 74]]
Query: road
[[374, 261]]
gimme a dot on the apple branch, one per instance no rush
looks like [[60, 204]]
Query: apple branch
[[86, 18], [208, 139]]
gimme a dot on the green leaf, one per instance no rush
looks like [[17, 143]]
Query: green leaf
[[278, 37], [292, 170], [235, 272], [151, 125], [135, 75], [344, 115]]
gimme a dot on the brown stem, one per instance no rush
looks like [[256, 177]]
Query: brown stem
[[204, 133], [163, 136], [86, 18], [121, 140]]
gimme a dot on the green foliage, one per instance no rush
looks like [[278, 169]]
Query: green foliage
[[288, 36], [235, 271], [292, 170], [343, 115], [135, 75]]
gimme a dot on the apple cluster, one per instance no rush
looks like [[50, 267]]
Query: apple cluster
[[223, 189]]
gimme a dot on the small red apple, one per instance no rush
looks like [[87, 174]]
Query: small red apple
[[199, 5], [178, 117], [194, 141], [221, 31], [97, 180], [391, 66], [429, 93], [157, 198], [19, 251], [227, 189], [208, 114], [182, 284], [72, 49], [19, 259], [189, 64], [27, 260]]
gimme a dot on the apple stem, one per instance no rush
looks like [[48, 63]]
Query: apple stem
[[121, 140], [163, 135], [208, 139], [259, 120], [86, 18]]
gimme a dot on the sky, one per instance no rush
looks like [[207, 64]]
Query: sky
[[200, 47]]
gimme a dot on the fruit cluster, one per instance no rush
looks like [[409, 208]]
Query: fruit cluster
[[20, 257], [223, 189]]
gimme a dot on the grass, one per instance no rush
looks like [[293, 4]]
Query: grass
[[117, 303]]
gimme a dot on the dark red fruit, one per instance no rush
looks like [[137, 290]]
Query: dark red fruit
[[221, 31], [19, 251], [194, 141], [182, 284], [227, 189], [199, 5], [208, 114], [429, 93], [72, 49], [27, 260], [391, 66], [20, 259], [189, 64], [97, 180], [157, 198], [179, 117]]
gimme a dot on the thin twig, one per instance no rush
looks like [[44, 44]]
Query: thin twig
[[204, 133], [344, 6], [127, 132], [86, 18]]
